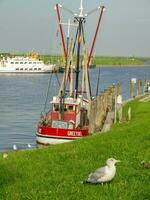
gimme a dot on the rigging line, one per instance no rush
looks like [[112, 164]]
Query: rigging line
[[57, 79], [75, 41], [92, 11], [50, 78], [83, 35], [97, 88], [67, 9], [86, 64], [82, 57]]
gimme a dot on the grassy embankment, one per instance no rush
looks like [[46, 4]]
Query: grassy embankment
[[98, 60], [104, 61], [55, 172], [119, 61]]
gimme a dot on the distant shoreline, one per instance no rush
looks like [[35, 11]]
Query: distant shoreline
[[122, 66], [99, 61]]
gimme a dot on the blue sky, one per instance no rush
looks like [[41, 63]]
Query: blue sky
[[27, 25]]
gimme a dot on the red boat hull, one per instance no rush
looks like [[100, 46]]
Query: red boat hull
[[49, 135]]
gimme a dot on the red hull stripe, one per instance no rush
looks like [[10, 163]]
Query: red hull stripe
[[62, 133]]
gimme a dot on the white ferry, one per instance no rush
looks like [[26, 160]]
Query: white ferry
[[21, 64]]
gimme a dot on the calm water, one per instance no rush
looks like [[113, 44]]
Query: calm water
[[22, 99]]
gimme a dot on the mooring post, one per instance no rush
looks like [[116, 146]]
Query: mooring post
[[145, 86], [92, 116], [139, 92], [113, 94], [132, 87], [98, 111], [119, 89], [101, 99], [129, 113]]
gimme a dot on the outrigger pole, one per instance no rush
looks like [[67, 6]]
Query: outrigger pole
[[61, 31], [96, 32]]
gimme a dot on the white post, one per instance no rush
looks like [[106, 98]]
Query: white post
[[115, 118], [129, 114]]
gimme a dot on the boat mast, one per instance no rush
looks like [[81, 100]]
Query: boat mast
[[80, 19]]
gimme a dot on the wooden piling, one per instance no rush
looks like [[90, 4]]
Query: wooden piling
[[132, 89], [100, 108], [139, 88], [92, 117], [145, 86], [119, 89]]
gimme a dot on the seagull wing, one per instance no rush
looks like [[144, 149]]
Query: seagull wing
[[97, 174]]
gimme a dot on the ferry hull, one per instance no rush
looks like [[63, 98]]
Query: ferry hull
[[48, 135], [26, 72]]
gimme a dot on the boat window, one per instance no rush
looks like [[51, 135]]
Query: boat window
[[71, 108], [30, 69], [59, 124], [21, 69], [56, 107], [39, 68], [12, 63], [30, 62], [25, 63], [16, 62], [26, 69], [21, 62], [34, 63], [35, 68], [17, 68], [65, 108]]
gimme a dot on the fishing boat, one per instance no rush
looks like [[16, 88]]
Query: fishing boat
[[68, 118], [25, 64]]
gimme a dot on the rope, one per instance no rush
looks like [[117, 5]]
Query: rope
[[57, 79], [97, 89], [47, 93]]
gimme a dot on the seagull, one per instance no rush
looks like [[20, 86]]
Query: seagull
[[5, 155], [103, 174], [29, 146], [14, 147]]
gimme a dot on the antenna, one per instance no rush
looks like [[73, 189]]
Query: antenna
[[68, 30], [81, 9], [68, 24]]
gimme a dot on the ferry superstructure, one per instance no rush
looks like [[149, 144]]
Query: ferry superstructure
[[21, 64]]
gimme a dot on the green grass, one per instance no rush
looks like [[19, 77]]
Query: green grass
[[55, 172]]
